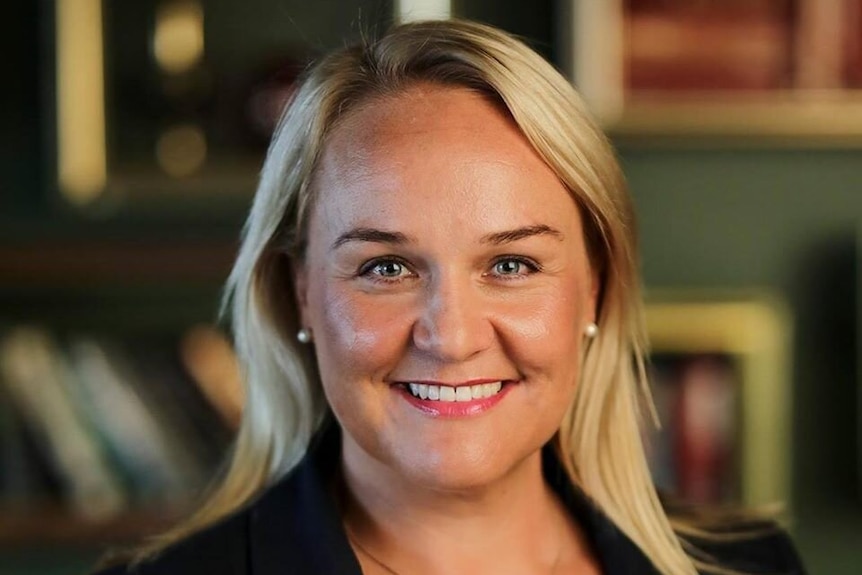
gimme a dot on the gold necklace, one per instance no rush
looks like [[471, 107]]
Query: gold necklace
[[368, 553], [390, 570]]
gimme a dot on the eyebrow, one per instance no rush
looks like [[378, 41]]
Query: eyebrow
[[370, 235], [397, 238], [509, 236]]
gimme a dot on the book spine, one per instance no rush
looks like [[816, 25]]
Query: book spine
[[37, 380], [705, 436]]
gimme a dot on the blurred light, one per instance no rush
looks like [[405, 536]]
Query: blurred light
[[181, 150], [212, 363], [412, 10], [81, 161], [599, 75], [178, 39]]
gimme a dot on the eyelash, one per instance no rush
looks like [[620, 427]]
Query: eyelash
[[367, 269], [531, 265]]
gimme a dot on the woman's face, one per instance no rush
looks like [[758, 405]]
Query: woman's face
[[445, 254]]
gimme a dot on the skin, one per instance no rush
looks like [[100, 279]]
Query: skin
[[442, 291]]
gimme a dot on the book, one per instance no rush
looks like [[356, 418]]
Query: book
[[139, 445], [37, 378], [660, 450], [707, 46], [705, 435], [26, 477], [195, 429]]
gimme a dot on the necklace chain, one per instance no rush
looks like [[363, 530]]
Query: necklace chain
[[351, 536], [368, 553], [371, 556]]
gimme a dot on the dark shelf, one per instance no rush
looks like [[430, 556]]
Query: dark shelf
[[52, 525], [114, 262]]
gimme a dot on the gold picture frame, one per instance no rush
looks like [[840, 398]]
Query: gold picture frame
[[755, 331], [180, 171]]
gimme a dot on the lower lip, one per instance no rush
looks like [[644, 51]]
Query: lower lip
[[456, 408]]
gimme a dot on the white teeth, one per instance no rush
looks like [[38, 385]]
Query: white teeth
[[419, 390], [449, 393], [463, 394]]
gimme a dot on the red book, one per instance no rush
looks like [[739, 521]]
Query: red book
[[706, 410], [707, 46]]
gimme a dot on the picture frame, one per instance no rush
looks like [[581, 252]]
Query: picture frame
[[719, 70], [751, 332], [130, 87], [166, 106]]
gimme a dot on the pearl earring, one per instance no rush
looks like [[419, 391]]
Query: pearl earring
[[591, 331], [303, 335]]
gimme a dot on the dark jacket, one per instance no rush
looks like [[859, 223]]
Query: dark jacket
[[294, 528]]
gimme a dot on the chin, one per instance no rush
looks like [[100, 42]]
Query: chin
[[462, 470]]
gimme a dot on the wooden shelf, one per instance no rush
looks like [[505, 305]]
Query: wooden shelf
[[55, 526], [118, 262]]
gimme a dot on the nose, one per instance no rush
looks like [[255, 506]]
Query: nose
[[453, 324]]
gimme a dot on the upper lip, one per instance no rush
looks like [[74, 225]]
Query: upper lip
[[469, 382]]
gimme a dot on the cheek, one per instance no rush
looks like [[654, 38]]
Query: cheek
[[545, 333], [353, 334]]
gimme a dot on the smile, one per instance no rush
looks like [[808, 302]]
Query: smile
[[447, 393]]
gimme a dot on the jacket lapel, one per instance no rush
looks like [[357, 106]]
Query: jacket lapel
[[296, 528], [616, 553]]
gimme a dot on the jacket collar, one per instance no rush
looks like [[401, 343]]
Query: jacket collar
[[296, 524], [616, 553]]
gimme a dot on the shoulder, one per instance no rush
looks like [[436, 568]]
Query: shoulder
[[219, 549], [292, 522], [734, 538], [753, 547]]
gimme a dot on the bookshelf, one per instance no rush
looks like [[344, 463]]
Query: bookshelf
[[753, 74], [138, 292], [60, 263], [122, 198]]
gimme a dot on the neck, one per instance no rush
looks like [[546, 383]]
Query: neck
[[516, 524]]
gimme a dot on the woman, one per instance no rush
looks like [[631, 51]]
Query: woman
[[437, 308]]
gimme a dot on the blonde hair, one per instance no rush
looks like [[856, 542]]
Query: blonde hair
[[599, 440]]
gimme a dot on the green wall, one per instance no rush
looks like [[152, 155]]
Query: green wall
[[784, 220]]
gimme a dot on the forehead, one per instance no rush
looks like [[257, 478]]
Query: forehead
[[432, 144], [418, 108], [420, 117]]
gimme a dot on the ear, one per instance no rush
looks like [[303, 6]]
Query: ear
[[299, 274], [595, 293]]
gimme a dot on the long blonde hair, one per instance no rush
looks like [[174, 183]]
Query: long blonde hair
[[599, 440]]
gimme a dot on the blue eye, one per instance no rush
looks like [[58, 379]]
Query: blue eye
[[385, 270], [514, 267], [508, 267], [388, 269]]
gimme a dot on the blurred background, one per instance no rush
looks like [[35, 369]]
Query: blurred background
[[132, 135]]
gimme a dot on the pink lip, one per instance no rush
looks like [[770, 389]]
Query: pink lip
[[454, 409]]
